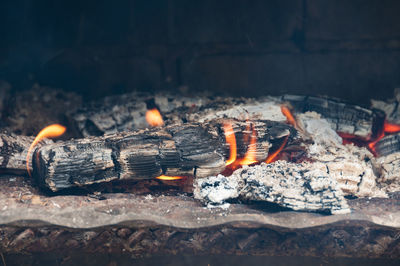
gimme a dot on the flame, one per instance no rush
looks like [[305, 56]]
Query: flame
[[51, 131], [231, 140], [289, 117], [273, 155], [250, 156], [166, 177], [154, 118]]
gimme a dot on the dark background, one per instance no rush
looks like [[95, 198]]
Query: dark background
[[343, 48]]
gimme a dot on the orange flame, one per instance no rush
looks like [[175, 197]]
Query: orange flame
[[250, 156], [166, 177], [231, 140], [154, 118], [51, 131], [289, 117], [273, 155]]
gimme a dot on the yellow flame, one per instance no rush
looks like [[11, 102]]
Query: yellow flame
[[166, 177], [289, 117], [51, 131], [154, 118], [273, 155], [231, 140], [250, 156]]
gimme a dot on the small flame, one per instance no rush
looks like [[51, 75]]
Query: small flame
[[231, 140], [250, 156], [273, 155], [154, 118], [166, 177], [51, 131], [289, 117]]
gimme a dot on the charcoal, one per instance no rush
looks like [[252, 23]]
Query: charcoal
[[302, 187], [391, 107], [127, 112], [343, 117], [388, 145], [351, 166], [13, 152]]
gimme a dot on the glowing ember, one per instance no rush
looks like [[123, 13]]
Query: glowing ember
[[391, 128], [289, 117], [273, 155], [51, 131], [250, 156], [231, 140], [154, 118], [168, 178]]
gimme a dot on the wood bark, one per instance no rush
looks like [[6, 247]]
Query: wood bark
[[195, 149]]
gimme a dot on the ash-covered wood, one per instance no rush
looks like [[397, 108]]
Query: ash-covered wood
[[388, 145], [391, 107], [191, 149], [343, 117], [297, 186], [13, 152], [127, 112], [351, 166]]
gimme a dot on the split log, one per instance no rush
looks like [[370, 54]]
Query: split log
[[193, 149], [305, 186], [343, 117], [13, 152]]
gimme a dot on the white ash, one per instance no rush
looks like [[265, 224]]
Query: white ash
[[296, 186], [389, 170], [351, 166], [267, 109]]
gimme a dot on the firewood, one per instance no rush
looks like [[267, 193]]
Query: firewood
[[127, 112], [303, 187], [343, 117], [195, 149], [13, 152]]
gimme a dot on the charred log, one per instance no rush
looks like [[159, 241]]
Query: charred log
[[13, 152], [304, 187], [343, 117], [192, 149], [388, 145], [127, 112]]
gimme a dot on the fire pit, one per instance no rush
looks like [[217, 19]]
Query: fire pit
[[189, 163]]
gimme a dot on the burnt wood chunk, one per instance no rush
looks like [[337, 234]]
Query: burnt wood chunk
[[297, 186], [13, 152], [345, 118], [388, 145], [195, 149]]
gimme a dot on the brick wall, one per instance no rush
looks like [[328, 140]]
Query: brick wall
[[343, 48]]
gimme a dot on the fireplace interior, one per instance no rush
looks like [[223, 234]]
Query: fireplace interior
[[199, 132]]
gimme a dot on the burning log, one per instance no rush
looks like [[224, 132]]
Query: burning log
[[195, 149], [344, 118], [13, 152], [306, 187]]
